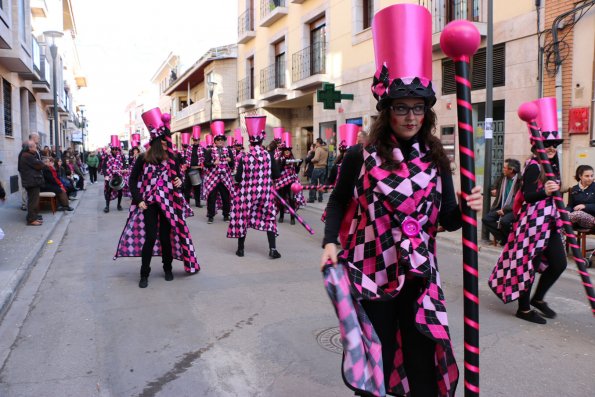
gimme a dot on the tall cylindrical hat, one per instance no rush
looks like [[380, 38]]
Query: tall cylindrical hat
[[203, 144], [136, 137], [114, 141], [196, 132], [185, 138], [209, 139], [278, 133], [402, 35], [156, 123], [348, 134], [230, 140], [255, 126], [547, 119], [287, 140], [237, 136], [217, 128]]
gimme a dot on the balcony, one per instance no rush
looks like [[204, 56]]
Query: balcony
[[445, 11], [197, 113], [18, 58], [246, 94], [297, 1], [309, 66], [42, 85], [272, 82], [39, 8], [37, 58], [271, 11], [246, 30]]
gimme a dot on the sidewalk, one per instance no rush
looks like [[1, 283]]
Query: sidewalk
[[23, 244]]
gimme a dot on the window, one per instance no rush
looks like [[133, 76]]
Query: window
[[280, 64], [22, 24], [478, 70], [7, 98], [317, 46], [251, 76], [447, 136], [368, 13]]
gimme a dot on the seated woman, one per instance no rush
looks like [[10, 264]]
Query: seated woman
[[65, 176], [52, 183], [581, 199]]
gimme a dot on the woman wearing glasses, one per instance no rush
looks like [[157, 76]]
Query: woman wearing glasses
[[386, 206]]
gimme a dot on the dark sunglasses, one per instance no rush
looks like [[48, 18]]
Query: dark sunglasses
[[551, 144]]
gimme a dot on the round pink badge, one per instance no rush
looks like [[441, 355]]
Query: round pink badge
[[410, 227], [160, 182]]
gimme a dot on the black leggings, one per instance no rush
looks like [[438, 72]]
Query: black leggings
[[285, 193], [270, 236], [151, 214], [555, 253], [212, 200], [108, 194], [93, 174], [418, 350]]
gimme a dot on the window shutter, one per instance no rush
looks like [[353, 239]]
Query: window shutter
[[499, 65], [449, 85], [7, 96]]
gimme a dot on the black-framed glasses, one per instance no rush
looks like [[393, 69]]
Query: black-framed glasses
[[403, 110]]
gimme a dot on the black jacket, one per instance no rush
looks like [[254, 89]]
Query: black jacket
[[498, 186], [577, 196], [30, 169]]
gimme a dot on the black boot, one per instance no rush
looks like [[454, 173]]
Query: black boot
[[274, 254], [119, 205], [240, 251], [281, 216], [292, 220], [106, 209], [169, 275], [144, 282]]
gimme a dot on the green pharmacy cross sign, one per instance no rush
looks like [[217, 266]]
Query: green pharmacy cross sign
[[328, 96]]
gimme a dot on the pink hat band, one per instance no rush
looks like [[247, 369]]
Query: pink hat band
[[402, 35]]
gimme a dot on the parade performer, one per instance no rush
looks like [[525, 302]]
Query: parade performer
[[194, 164], [158, 207], [114, 166], [348, 137], [289, 167], [535, 243], [254, 203], [386, 206], [219, 163]]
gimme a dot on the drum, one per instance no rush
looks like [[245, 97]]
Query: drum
[[116, 183], [194, 176]]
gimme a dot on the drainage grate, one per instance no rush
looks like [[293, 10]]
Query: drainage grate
[[330, 339]]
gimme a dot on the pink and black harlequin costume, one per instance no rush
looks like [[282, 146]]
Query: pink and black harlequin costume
[[166, 211], [114, 168], [289, 168], [218, 179], [535, 243], [194, 161], [254, 203], [386, 287]]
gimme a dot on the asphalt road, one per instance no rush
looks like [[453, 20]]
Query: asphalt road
[[250, 326]]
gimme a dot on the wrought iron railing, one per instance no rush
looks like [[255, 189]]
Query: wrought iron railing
[[245, 90], [273, 76], [308, 62], [36, 54], [268, 6], [246, 22], [445, 11]]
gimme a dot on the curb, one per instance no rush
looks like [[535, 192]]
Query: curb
[[17, 279]]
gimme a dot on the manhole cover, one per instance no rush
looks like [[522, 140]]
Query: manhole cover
[[330, 339]]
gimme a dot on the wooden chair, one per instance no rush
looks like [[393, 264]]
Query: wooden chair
[[48, 198]]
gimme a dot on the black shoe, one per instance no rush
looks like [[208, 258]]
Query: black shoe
[[106, 210], [531, 316], [39, 218], [274, 254], [280, 219], [240, 252], [119, 207], [320, 200], [543, 308], [292, 221], [169, 276], [65, 208], [144, 282], [210, 220], [23, 208], [226, 218], [311, 201], [199, 205]]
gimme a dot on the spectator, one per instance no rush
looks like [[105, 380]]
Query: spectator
[[308, 166], [581, 199], [32, 179], [362, 138], [65, 176], [319, 172], [52, 184], [500, 217], [93, 163]]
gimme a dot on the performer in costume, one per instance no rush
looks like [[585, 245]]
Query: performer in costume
[[194, 161], [386, 205], [158, 206], [535, 243], [114, 166], [219, 163], [289, 167], [253, 203]]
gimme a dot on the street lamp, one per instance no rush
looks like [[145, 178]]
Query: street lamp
[[82, 109], [51, 36], [212, 85]]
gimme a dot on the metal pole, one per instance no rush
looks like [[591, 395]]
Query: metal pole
[[488, 123], [83, 135], [54, 52]]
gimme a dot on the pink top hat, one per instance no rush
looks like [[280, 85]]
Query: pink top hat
[[217, 128], [209, 139], [237, 135], [185, 138], [203, 144], [287, 140], [278, 132], [402, 35], [348, 134], [255, 126], [230, 140], [196, 132], [136, 137], [114, 141], [152, 119], [547, 118], [147, 145]]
